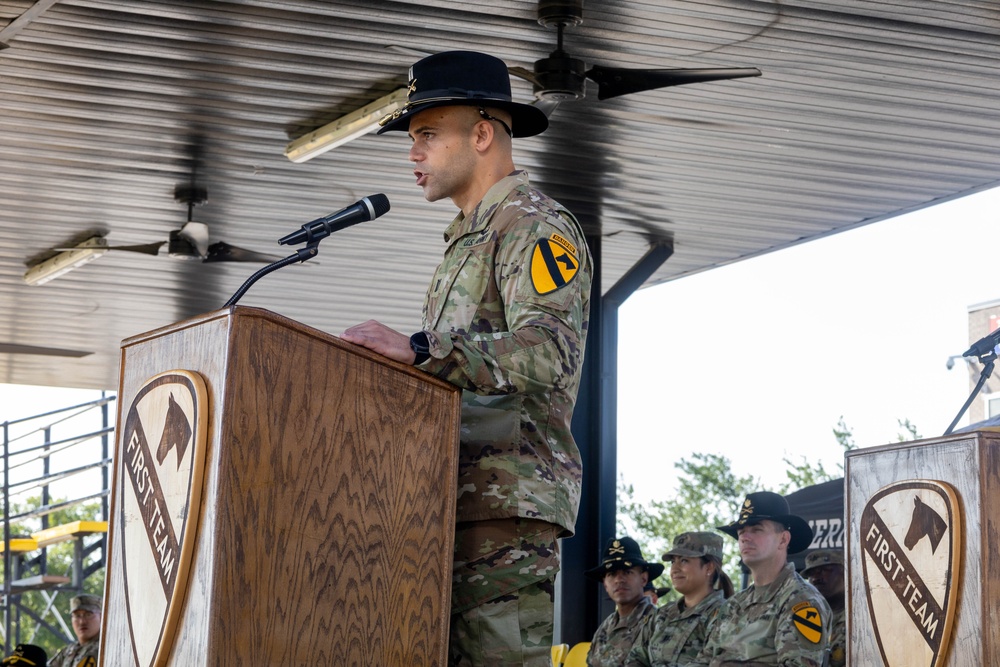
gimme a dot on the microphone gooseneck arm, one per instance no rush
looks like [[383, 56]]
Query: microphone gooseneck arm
[[300, 255], [311, 233], [988, 360]]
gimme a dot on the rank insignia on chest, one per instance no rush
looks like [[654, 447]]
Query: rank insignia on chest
[[808, 621], [553, 264]]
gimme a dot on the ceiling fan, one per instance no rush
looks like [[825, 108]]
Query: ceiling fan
[[192, 240], [562, 78]]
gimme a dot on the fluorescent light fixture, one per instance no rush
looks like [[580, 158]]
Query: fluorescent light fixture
[[346, 128], [66, 261]]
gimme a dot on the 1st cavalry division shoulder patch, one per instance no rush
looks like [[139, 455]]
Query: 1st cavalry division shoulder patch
[[553, 264], [808, 621]]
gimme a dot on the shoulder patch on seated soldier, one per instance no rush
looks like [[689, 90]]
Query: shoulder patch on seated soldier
[[807, 621], [554, 263]]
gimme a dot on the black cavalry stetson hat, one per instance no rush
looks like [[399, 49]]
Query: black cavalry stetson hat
[[468, 78], [27, 655], [622, 553], [765, 505]]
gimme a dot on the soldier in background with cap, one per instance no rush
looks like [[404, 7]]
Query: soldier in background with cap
[[678, 632], [780, 619], [654, 593], [86, 612], [825, 570], [624, 573], [505, 319]]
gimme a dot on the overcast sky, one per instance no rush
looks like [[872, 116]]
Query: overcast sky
[[758, 360]]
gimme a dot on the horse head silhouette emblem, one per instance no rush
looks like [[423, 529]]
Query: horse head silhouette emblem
[[924, 522]]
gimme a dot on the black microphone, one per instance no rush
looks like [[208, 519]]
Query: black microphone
[[368, 208], [985, 345]]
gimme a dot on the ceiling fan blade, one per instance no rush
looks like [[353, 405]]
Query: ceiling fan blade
[[615, 81], [524, 73], [15, 348], [196, 233], [145, 248], [223, 252]]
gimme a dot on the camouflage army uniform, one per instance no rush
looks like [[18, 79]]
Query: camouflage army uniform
[[77, 654], [517, 355], [675, 636], [838, 639], [615, 636], [757, 626]]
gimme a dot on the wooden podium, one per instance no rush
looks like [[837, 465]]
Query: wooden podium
[[923, 541], [312, 525]]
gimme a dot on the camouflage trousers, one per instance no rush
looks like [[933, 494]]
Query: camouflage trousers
[[502, 593]]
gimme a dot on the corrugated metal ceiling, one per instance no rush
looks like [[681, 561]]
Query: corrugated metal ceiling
[[864, 110]]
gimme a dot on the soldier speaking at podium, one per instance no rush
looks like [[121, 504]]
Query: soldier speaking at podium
[[505, 318]]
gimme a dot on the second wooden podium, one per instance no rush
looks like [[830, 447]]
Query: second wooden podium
[[280, 498]]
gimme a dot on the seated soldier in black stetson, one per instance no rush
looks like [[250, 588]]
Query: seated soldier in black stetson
[[780, 619], [625, 573], [27, 655]]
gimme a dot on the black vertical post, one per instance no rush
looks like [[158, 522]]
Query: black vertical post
[[43, 565], [595, 423], [105, 449], [6, 537]]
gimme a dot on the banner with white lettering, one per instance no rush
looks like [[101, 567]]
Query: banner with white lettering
[[910, 541], [162, 456]]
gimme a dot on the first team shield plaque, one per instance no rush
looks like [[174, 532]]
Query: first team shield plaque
[[162, 462], [911, 536]]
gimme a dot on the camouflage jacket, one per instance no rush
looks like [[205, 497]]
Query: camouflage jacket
[[675, 636], [838, 639], [616, 635], [77, 654], [786, 622], [506, 319]]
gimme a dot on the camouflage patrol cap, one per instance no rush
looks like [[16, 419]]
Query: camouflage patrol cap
[[821, 557], [622, 553], [86, 602], [27, 655], [695, 545]]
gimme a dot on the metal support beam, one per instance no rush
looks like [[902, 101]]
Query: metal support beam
[[595, 424]]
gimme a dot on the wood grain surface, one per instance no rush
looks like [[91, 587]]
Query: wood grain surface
[[970, 464], [326, 530]]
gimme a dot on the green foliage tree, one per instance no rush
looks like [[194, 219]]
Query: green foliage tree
[[59, 561], [807, 473], [709, 494]]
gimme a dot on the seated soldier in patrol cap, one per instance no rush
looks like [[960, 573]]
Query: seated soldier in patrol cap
[[625, 573], [86, 612], [825, 570], [677, 633], [780, 619]]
